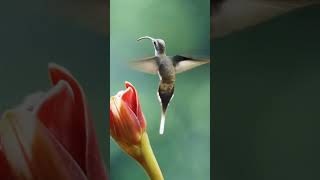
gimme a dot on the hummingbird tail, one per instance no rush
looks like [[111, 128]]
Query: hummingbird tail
[[162, 122], [164, 98]]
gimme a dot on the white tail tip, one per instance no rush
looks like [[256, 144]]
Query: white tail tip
[[163, 119]]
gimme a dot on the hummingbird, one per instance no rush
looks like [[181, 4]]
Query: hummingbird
[[166, 67]]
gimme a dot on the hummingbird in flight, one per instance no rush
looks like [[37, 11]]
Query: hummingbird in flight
[[166, 67]]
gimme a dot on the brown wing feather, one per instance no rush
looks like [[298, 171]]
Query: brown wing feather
[[183, 63], [147, 65]]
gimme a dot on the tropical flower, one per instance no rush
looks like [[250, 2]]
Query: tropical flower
[[127, 122], [51, 136], [128, 129]]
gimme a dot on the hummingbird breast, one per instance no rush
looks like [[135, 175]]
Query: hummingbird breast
[[167, 80], [167, 71]]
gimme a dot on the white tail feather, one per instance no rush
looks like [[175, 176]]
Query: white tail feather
[[163, 119]]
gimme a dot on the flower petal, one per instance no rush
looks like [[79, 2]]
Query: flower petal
[[56, 111], [6, 172], [130, 97], [134, 99], [124, 125], [32, 152], [83, 145]]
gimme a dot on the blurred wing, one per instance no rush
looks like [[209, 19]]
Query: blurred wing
[[146, 65], [183, 63]]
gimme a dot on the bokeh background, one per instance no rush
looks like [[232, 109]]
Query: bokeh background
[[35, 32], [267, 100], [183, 152]]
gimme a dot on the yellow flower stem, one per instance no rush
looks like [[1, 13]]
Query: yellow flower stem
[[148, 160]]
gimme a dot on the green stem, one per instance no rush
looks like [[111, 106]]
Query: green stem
[[148, 160]]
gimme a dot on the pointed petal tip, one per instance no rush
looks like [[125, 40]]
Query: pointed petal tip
[[128, 84], [55, 69], [131, 90], [54, 66], [126, 95]]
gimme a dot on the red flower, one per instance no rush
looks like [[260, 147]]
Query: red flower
[[51, 135], [127, 122], [128, 129]]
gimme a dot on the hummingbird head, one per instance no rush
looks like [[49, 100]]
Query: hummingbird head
[[158, 44]]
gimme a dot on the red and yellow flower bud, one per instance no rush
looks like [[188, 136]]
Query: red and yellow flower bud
[[127, 122], [128, 129]]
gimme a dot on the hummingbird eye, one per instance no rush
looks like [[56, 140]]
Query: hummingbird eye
[[155, 44]]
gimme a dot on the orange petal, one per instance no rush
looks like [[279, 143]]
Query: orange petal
[[56, 111], [124, 125], [131, 124], [136, 108], [130, 97], [76, 133]]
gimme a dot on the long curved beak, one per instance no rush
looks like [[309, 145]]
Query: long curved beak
[[145, 37]]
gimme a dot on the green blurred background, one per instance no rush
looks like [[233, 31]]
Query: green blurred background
[[183, 152], [267, 100]]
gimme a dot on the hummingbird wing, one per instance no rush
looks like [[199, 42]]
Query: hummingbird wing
[[183, 63], [147, 65]]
